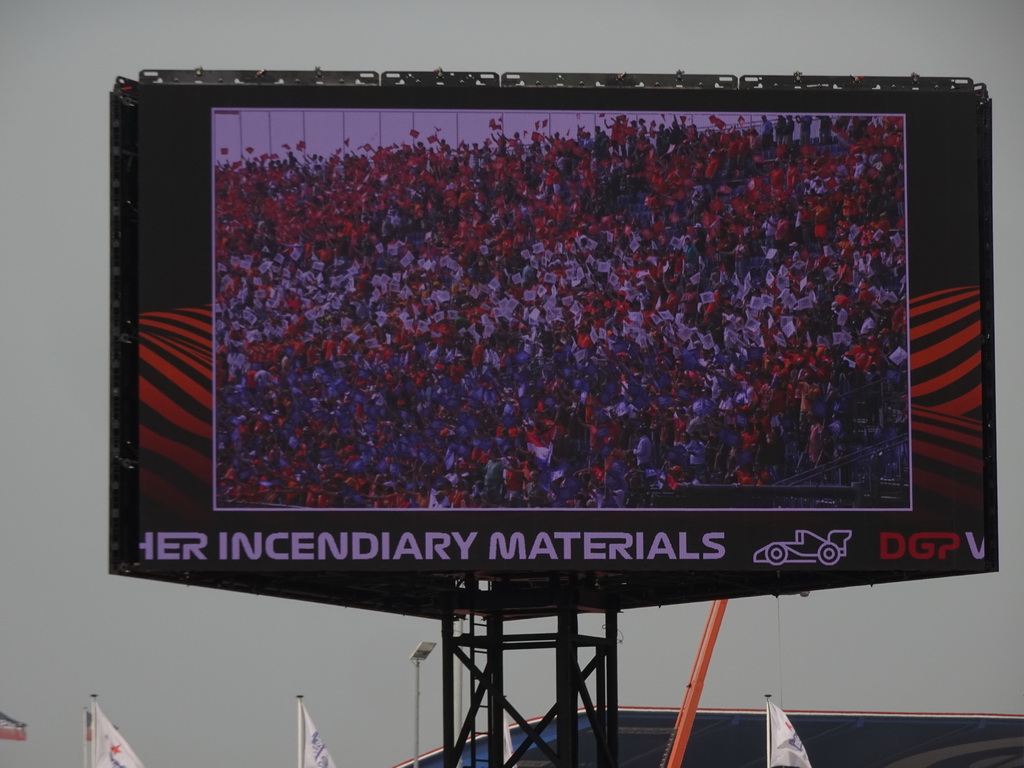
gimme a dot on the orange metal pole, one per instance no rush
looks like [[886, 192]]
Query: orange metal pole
[[688, 710]]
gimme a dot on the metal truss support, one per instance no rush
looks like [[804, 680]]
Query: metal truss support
[[586, 675]]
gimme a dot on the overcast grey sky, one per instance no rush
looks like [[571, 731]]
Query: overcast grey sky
[[205, 678]]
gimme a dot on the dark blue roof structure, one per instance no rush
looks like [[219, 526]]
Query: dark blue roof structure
[[737, 739]]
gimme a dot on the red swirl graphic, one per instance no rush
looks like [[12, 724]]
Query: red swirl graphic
[[176, 401], [946, 372]]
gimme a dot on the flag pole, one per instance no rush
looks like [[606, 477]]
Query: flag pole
[[301, 739], [94, 722], [768, 731], [458, 687]]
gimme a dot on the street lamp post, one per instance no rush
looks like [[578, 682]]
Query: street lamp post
[[419, 654]]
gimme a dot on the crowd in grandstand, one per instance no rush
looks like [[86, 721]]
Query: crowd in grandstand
[[556, 321]]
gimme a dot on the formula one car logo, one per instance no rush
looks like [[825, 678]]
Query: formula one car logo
[[806, 547]]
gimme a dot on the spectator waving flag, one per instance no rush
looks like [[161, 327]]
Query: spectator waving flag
[[11, 729], [540, 446], [111, 750], [786, 749], [314, 751]]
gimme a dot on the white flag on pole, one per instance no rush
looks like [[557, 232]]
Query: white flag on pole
[[111, 750], [787, 749], [314, 751], [506, 737]]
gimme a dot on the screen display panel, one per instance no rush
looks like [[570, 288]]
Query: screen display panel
[[532, 329]]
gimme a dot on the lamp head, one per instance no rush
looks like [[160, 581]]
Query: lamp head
[[422, 651]]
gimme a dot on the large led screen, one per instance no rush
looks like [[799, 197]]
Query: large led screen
[[538, 329]]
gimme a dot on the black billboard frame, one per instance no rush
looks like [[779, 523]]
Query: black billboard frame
[[523, 594]]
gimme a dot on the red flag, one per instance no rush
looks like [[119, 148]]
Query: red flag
[[368, 147], [537, 137], [223, 150], [431, 139], [495, 125], [287, 146], [718, 122], [301, 146], [414, 133], [250, 150], [544, 124], [11, 729]]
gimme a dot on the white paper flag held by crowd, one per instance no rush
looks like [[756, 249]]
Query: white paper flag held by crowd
[[314, 751], [786, 748], [111, 750]]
